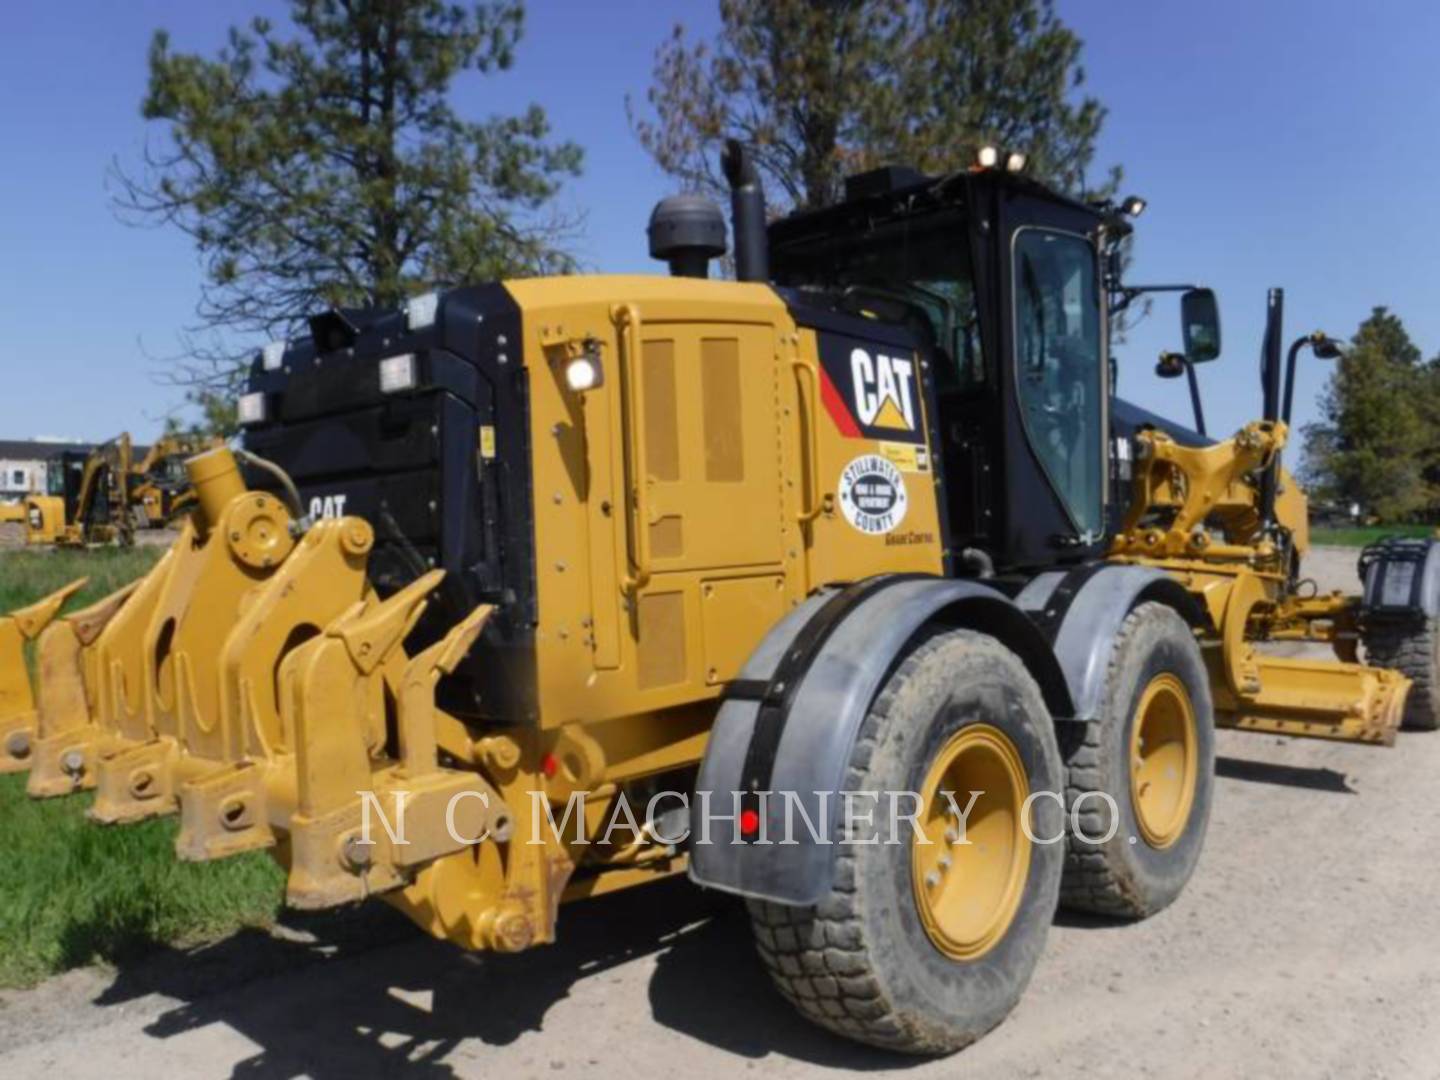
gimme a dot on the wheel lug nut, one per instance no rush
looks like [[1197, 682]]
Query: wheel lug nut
[[932, 879]]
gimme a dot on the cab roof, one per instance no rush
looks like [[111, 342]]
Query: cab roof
[[894, 190]]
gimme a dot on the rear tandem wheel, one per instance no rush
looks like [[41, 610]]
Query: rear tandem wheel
[[1152, 752], [1411, 647]]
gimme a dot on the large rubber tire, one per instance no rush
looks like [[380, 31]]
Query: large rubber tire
[[860, 962], [1127, 876], [1414, 651]]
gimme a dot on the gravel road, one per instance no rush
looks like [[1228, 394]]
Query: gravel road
[[1308, 944]]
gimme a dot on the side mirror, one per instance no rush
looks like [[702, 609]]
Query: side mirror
[[1200, 325]]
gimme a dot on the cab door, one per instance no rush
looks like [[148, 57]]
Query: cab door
[[1059, 369], [1049, 336]]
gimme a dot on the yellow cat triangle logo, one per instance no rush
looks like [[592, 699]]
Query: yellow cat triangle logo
[[890, 416], [884, 390]]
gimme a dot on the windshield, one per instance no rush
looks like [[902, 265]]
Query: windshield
[[913, 272]]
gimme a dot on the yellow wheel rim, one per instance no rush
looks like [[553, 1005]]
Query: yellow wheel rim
[[968, 892], [1163, 758]]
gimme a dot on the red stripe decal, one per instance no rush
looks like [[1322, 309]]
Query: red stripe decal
[[836, 407]]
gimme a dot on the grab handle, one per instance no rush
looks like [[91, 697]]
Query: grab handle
[[637, 480], [810, 416]]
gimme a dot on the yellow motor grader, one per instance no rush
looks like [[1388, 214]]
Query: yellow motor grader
[[848, 587]]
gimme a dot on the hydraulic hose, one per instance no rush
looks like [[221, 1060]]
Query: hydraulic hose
[[301, 522]]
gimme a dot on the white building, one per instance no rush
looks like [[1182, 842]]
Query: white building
[[22, 465]]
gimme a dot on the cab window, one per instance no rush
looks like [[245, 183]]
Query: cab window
[[1058, 366], [914, 272]]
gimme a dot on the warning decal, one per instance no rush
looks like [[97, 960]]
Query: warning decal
[[872, 495], [907, 457]]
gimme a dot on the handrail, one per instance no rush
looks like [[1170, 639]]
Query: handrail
[[637, 479], [810, 414]]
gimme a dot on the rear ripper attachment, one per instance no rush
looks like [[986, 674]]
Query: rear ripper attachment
[[255, 684], [17, 699]]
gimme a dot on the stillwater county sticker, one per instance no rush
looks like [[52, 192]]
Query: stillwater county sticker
[[872, 495]]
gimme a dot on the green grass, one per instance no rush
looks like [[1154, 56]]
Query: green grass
[[72, 892], [26, 576], [1367, 534]]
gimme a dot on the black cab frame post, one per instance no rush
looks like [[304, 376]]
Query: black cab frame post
[[1194, 383], [1270, 381]]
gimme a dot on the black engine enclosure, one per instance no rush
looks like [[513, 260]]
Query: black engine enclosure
[[441, 471]]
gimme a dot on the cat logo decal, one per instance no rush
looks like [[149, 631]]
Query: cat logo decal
[[871, 391]]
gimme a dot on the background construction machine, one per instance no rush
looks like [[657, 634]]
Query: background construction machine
[[106, 495], [87, 498], [742, 555], [159, 489]]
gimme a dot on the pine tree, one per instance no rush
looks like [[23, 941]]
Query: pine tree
[[1374, 443], [825, 88], [324, 165]]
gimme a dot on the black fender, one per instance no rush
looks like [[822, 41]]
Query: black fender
[[1080, 612], [789, 724], [1401, 578]]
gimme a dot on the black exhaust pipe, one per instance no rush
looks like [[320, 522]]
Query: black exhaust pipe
[[747, 203]]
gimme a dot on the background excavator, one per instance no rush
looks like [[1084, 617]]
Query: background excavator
[[160, 492], [86, 499]]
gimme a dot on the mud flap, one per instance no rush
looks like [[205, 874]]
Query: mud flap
[[788, 726]]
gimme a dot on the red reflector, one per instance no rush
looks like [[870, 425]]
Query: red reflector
[[549, 765], [749, 822]]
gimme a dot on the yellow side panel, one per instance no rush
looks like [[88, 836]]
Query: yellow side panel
[[713, 363], [756, 489], [736, 614]]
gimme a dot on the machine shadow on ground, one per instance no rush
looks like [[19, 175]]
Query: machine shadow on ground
[[378, 999], [1306, 777]]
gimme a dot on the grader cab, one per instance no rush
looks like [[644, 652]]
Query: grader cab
[[848, 587]]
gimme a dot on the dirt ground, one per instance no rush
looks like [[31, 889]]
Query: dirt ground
[[12, 537], [1307, 944]]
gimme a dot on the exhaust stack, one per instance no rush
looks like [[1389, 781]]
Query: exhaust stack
[[747, 201]]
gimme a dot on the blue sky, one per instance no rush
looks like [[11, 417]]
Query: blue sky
[[1278, 143]]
